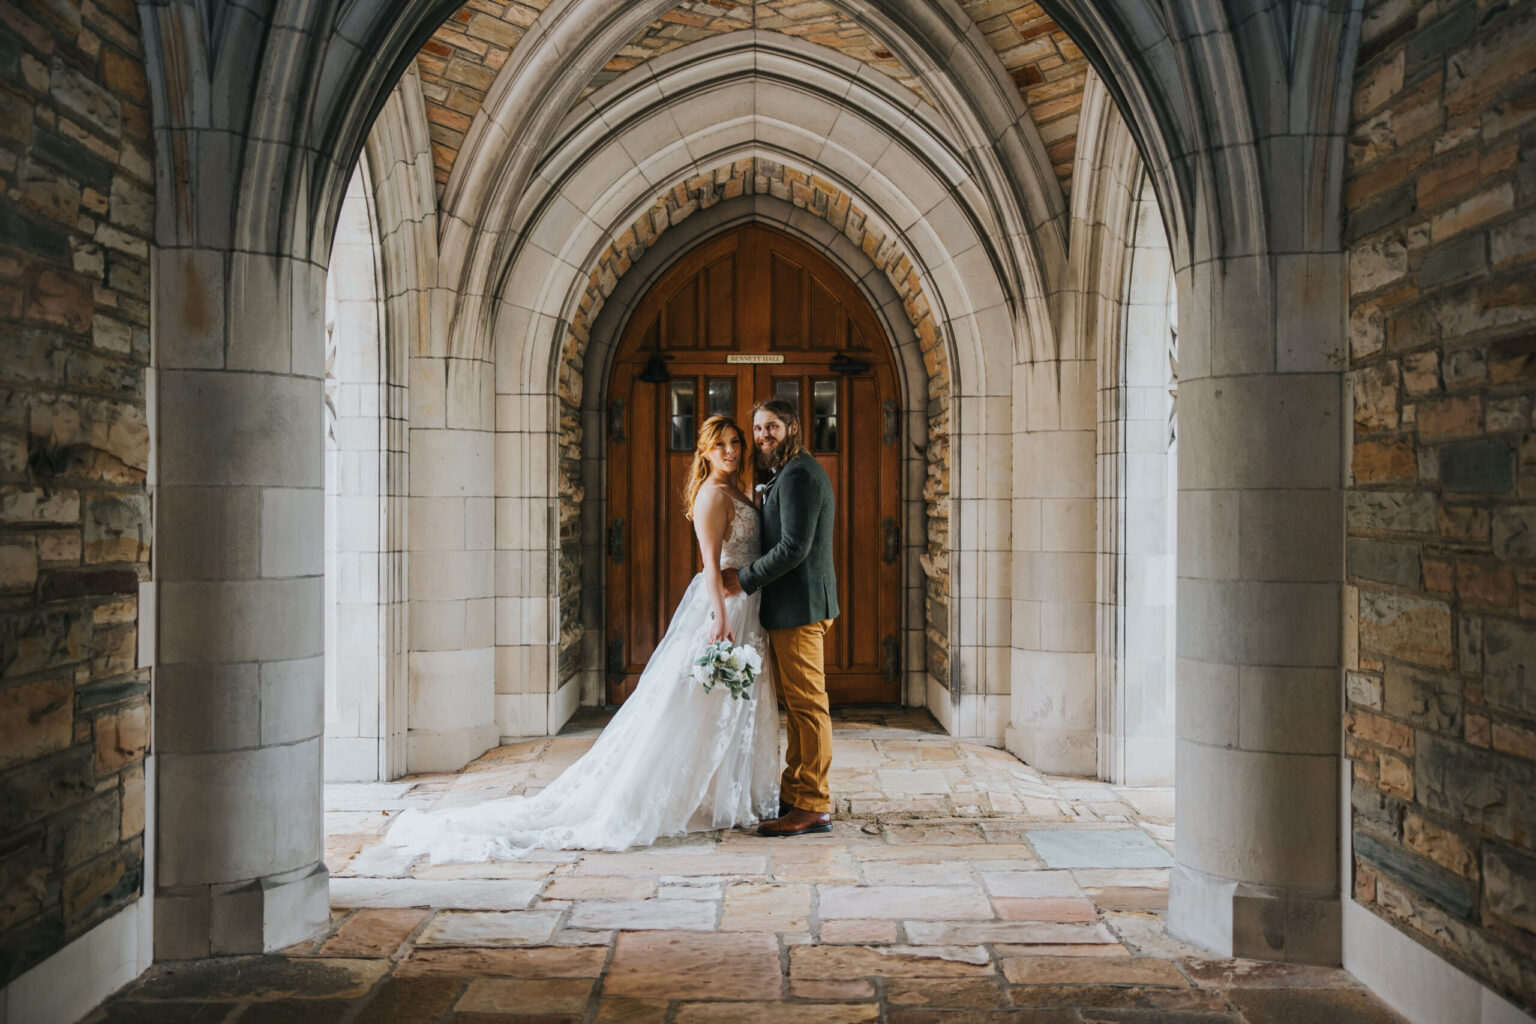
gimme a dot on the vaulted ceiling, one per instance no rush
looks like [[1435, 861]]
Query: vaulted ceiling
[[461, 60]]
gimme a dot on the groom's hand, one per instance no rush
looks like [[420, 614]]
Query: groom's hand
[[731, 583]]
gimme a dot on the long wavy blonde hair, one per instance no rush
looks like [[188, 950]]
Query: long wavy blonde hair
[[699, 471]]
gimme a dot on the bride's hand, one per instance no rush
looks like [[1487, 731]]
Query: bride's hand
[[720, 629]]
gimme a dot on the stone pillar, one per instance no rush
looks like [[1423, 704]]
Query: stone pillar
[[1054, 724], [452, 542], [1259, 570], [239, 684]]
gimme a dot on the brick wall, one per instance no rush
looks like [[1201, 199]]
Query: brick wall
[[459, 63], [1441, 229], [75, 219]]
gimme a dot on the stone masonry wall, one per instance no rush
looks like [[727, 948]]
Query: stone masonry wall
[[461, 60], [76, 212], [1441, 723], [756, 176]]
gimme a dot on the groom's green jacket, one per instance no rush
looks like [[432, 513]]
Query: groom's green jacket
[[795, 572]]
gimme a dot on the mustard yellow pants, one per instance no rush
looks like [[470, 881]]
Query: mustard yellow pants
[[800, 673]]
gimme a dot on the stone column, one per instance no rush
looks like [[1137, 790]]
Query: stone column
[[1259, 570], [452, 542], [239, 685], [1054, 722]]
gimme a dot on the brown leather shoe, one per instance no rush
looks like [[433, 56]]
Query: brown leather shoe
[[785, 808], [796, 823]]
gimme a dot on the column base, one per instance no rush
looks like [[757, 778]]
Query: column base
[[259, 916], [446, 750], [1058, 752], [1239, 919]]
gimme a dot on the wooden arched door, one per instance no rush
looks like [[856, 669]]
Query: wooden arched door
[[750, 314]]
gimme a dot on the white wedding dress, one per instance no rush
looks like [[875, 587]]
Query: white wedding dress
[[674, 758]]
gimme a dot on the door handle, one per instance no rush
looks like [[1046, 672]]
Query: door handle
[[616, 656]]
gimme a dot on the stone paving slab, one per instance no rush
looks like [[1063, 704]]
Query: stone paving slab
[[1002, 897], [1098, 848], [498, 894]]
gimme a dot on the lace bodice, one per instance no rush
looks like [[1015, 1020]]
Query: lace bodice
[[743, 538]]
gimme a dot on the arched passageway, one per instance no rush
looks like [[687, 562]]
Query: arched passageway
[[534, 171], [523, 240]]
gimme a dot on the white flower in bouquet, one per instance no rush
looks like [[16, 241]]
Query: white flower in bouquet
[[722, 663]]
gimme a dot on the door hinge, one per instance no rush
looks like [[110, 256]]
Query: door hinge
[[892, 540], [892, 669], [892, 423], [616, 656], [616, 421], [616, 540]]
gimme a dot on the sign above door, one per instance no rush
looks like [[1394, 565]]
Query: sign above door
[[756, 358]]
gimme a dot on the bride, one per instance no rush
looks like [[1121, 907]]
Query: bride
[[674, 758]]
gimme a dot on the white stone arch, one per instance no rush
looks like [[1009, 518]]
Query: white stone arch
[[543, 290], [912, 387], [980, 110]]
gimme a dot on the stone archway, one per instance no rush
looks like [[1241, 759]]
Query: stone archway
[[1227, 174], [881, 251]]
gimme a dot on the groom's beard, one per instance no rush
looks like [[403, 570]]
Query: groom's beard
[[772, 460]]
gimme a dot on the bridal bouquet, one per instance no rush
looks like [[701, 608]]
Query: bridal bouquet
[[725, 664]]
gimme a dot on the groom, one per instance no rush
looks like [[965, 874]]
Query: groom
[[799, 603]]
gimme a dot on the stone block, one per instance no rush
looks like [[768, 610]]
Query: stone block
[[106, 882], [1291, 844], [1421, 373], [121, 738], [1425, 699], [84, 98], [1386, 461], [36, 719], [202, 708], [1384, 562], [292, 532], [1375, 397], [1390, 511], [1509, 887], [232, 827], [241, 620], [1512, 361], [1453, 892], [1376, 265], [1364, 689], [86, 830], [1288, 710], [38, 641], [1442, 418], [1451, 850], [292, 700], [1413, 629], [1509, 651], [35, 789], [1384, 211], [116, 529], [1464, 367], [1488, 791], [1454, 261], [1290, 536], [1376, 809], [247, 429]]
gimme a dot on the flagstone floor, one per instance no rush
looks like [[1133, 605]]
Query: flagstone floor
[[958, 885]]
